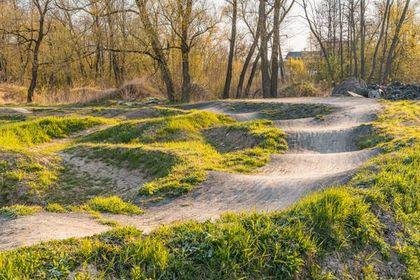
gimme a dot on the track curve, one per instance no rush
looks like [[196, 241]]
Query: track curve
[[321, 154]]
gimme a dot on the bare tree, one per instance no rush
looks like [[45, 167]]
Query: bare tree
[[42, 8], [311, 17], [395, 38], [379, 41], [228, 81], [265, 75], [156, 45]]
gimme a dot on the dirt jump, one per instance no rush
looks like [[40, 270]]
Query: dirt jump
[[321, 153]]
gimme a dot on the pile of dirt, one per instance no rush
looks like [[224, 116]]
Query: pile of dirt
[[131, 91], [393, 91], [349, 86], [397, 91]]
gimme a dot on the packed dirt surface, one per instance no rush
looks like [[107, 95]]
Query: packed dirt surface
[[322, 152]]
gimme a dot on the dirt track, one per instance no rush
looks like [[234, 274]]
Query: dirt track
[[321, 154]]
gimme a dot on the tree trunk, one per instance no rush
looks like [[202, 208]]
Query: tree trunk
[[232, 40], [35, 62], [381, 35], [275, 49], [324, 51], [246, 64], [157, 49], [396, 37], [185, 49], [362, 40], [252, 75], [265, 76]]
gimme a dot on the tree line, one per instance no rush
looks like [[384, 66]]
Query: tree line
[[231, 49]]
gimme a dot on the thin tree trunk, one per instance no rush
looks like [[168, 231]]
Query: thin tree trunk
[[232, 40], [265, 76], [385, 46], [35, 62], [275, 49], [324, 51], [381, 35], [246, 63], [252, 75], [185, 50], [341, 41], [282, 71], [157, 49], [396, 37], [362, 40]]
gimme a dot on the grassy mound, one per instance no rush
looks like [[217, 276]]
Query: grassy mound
[[42, 130], [367, 229], [182, 137], [166, 129]]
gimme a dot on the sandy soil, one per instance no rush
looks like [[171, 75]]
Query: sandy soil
[[322, 153]]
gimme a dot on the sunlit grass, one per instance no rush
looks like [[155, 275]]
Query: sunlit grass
[[42, 130], [367, 229]]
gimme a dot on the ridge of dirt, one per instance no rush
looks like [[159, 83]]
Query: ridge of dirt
[[323, 153]]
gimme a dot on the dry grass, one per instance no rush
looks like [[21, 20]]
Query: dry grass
[[131, 90]]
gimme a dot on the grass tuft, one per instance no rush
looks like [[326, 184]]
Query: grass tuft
[[19, 210], [113, 204]]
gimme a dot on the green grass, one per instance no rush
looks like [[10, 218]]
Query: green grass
[[55, 208], [174, 152], [19, 210], [25, 177], [367, 229], [32, 132], [112, 204]]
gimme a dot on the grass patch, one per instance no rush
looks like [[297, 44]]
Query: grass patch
[[19, 210], [112, 204], [42, 130], [55, 208], [367, 229]]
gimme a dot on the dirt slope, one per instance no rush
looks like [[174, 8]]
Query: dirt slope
[[322, 153]]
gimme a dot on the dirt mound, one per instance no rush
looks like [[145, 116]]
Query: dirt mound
[[397, 91], [354, 85], [227, 139], [134, 90]]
